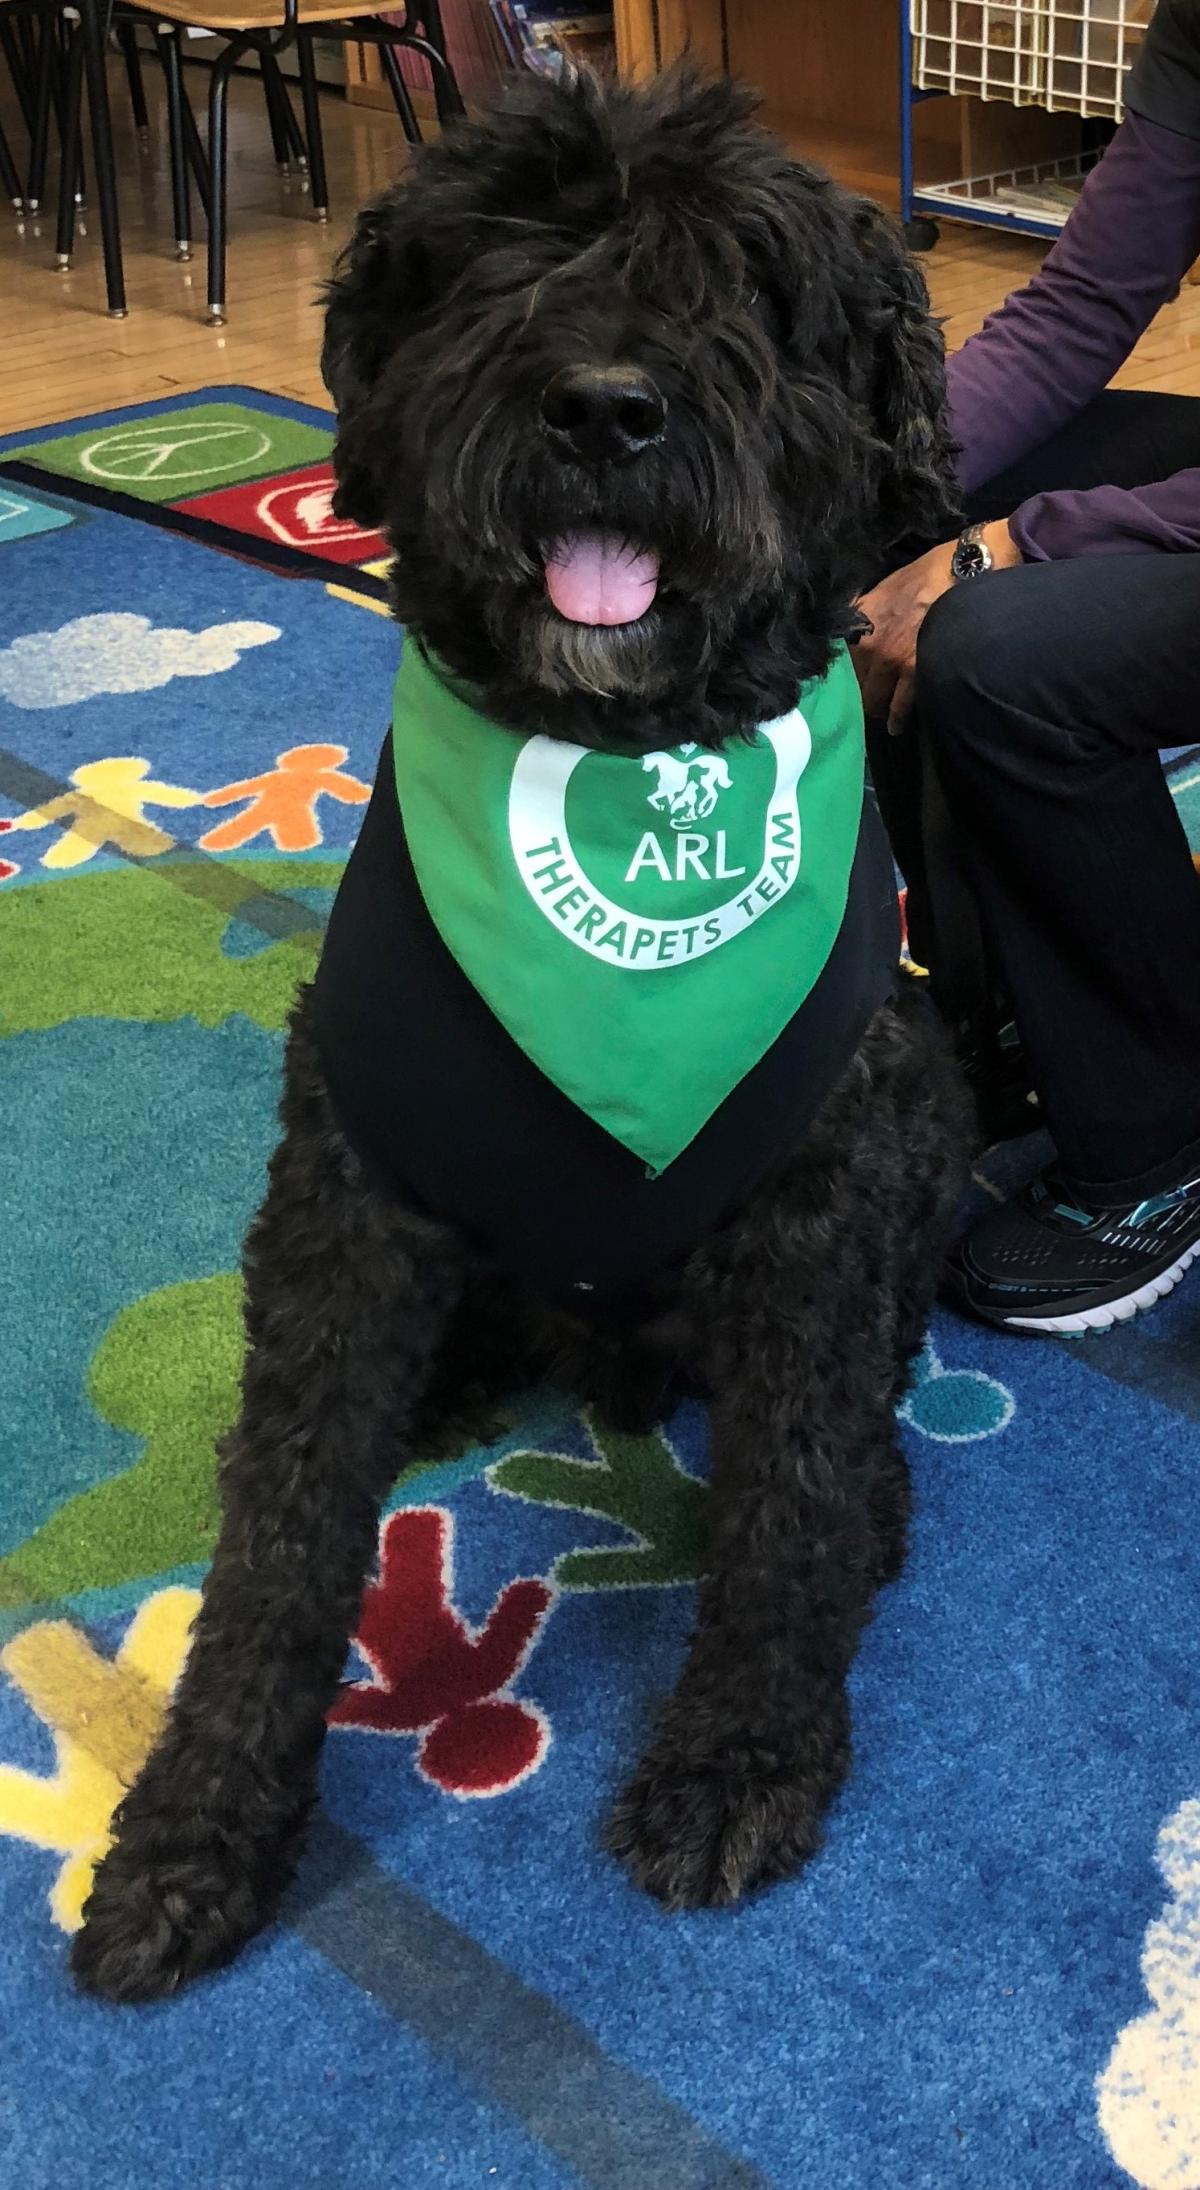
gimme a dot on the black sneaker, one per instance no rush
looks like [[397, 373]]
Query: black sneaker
[[1043, 1263]]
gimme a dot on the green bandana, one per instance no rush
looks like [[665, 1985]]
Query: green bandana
[[643, 928]]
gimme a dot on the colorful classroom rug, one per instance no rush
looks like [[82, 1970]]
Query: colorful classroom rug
[[991, 1975]]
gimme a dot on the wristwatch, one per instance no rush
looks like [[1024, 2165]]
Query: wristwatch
[[972, 556]]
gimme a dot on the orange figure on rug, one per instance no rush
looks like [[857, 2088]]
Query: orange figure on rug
[[283, 801]]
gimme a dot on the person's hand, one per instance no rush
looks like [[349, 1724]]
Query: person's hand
[[886, 657]]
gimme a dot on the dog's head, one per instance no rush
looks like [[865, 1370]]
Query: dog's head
[[640, 403]]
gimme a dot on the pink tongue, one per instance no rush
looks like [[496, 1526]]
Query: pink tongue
[[596, 578]]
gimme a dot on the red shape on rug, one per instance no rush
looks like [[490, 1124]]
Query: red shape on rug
[[7, 866], [295, 507], [484, 1748], [436, 1676]]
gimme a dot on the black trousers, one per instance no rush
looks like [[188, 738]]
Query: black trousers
[[1028, 798]]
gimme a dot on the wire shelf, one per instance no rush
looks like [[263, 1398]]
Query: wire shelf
[[1036, 199], [1068, 55]]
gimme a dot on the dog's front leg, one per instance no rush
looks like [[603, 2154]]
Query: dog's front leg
[[347, 1296], [752, 1746], [807, 1514]]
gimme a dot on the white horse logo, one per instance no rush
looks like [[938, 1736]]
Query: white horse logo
[[687, 790]]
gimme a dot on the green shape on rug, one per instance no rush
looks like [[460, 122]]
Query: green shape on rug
[[118, 945], [634, 1481], [167, 1370], [184, 452]]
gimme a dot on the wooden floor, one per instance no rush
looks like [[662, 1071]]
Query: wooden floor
[[62, 356]]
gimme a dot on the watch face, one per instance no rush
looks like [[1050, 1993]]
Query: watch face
[[969, 559]]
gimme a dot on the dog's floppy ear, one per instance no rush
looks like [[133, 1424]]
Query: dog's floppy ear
[[850, 298], [381, 278], [919, 494]]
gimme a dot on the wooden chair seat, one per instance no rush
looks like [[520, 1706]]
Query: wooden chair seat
[[231, 16]]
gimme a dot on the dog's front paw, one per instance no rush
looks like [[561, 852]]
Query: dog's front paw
[[708, 1816], [159, 1915]]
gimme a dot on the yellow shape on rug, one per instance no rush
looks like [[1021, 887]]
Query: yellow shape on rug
[[107, 806], [104, 1714], [1149, 2094], [378, 569]]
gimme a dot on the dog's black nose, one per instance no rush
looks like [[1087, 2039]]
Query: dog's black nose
[[603, 413]]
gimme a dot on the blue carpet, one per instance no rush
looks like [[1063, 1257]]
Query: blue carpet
[[990, 1977]]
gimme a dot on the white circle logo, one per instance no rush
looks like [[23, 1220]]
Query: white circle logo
[[175, 451], [689, 788]]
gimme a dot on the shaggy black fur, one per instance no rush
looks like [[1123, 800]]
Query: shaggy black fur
[[779, 318], [788, 335]]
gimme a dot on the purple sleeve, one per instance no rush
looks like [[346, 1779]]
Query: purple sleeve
[[1112, 521], [1056, 343]]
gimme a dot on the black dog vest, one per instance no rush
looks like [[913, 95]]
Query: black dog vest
[[445, 1105]]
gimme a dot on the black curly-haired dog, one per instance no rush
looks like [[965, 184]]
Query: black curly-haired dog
[[625, 313]]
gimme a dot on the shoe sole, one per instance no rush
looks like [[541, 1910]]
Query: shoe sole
[[1113, 1311]]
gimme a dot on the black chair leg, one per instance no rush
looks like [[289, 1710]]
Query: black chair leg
[[299, 149], [275, 120], [68, 183], [64, 25], [430, 44], [296, 151], [172, 68], [399, 90], [127, 40], [68, 24], [39, 134], [193, 144], [14, 54], [9, 177], [218, 107], [447, 97], [102, 151], [312, 126]]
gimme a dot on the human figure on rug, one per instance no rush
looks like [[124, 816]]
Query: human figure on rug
[[283, 800], [107, 807]]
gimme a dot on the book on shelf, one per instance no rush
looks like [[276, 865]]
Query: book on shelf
[[537, 34]]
